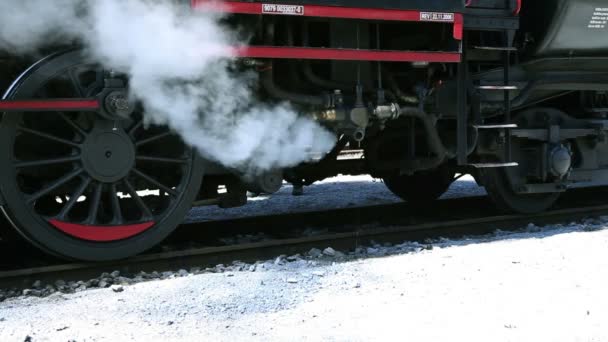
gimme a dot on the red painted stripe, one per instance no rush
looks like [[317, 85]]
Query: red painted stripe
[[345, 54], [458, 26], [48, 105], [101, 233], [517, 7], [312, 11]]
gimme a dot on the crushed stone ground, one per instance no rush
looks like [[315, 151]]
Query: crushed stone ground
[[542, 284], [539, 284]]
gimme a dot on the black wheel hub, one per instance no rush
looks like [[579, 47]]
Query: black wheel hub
[[108, 153]]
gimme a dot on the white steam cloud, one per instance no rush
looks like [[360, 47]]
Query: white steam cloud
[[174, 59]]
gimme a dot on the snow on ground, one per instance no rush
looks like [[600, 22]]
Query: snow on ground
[[332, 193], [541, 284]]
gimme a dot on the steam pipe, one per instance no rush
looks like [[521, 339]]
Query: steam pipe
[[316, 80], [411, 99], [273, 89], [307, 69], [432, 137], [472, 144]]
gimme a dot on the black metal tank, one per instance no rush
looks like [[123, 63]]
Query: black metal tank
[[566, 28]]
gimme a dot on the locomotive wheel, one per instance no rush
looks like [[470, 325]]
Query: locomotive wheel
[[500, 191], [82, 186], [421, 188]]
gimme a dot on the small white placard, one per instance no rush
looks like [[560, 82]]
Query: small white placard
[[282, 9], [436, 16]]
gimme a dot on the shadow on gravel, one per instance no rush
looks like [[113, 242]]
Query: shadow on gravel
[[323, 196]]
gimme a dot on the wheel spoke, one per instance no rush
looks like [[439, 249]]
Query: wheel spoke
[[135, 127], [74, 198], [154, 138], [76, 83], [94, 206], [155, 182], [116, 212], [138, 200], [54, 185], [161, 160], [48, 136], [45, 162], [74, 125], [98, 84]]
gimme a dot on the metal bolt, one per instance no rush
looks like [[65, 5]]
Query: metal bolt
[[118, 105], [120, 102]]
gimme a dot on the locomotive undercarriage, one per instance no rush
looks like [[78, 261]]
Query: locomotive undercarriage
[[412, 102]]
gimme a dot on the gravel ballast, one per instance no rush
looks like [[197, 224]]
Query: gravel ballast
[[542, 284]]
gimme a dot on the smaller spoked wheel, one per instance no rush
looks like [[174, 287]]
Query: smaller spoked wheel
[[507, 200], [421, 188], [82, 186], [501, 183]]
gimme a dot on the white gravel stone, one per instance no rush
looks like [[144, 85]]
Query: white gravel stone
[[329, 251], [372, 250], [279, 260], [315, 253], [294, 257]]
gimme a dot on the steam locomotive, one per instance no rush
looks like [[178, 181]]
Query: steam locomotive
[[513, 92]]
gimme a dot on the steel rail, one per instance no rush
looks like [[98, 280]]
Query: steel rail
[[209, 256]]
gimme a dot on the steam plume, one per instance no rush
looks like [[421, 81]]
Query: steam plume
[[174, 59]]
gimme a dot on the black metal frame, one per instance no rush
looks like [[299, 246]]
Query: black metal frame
[[504, 21]]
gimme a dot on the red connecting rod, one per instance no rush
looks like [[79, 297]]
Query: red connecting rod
[[50, 105]]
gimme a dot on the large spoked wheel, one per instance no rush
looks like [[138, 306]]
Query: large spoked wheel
[[82, 186], [423, 187]]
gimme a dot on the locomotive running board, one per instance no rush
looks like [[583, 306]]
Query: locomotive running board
[[55, 105], [357, 13], [346, 54]]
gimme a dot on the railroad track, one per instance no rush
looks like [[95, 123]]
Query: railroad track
[[342, 229]]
